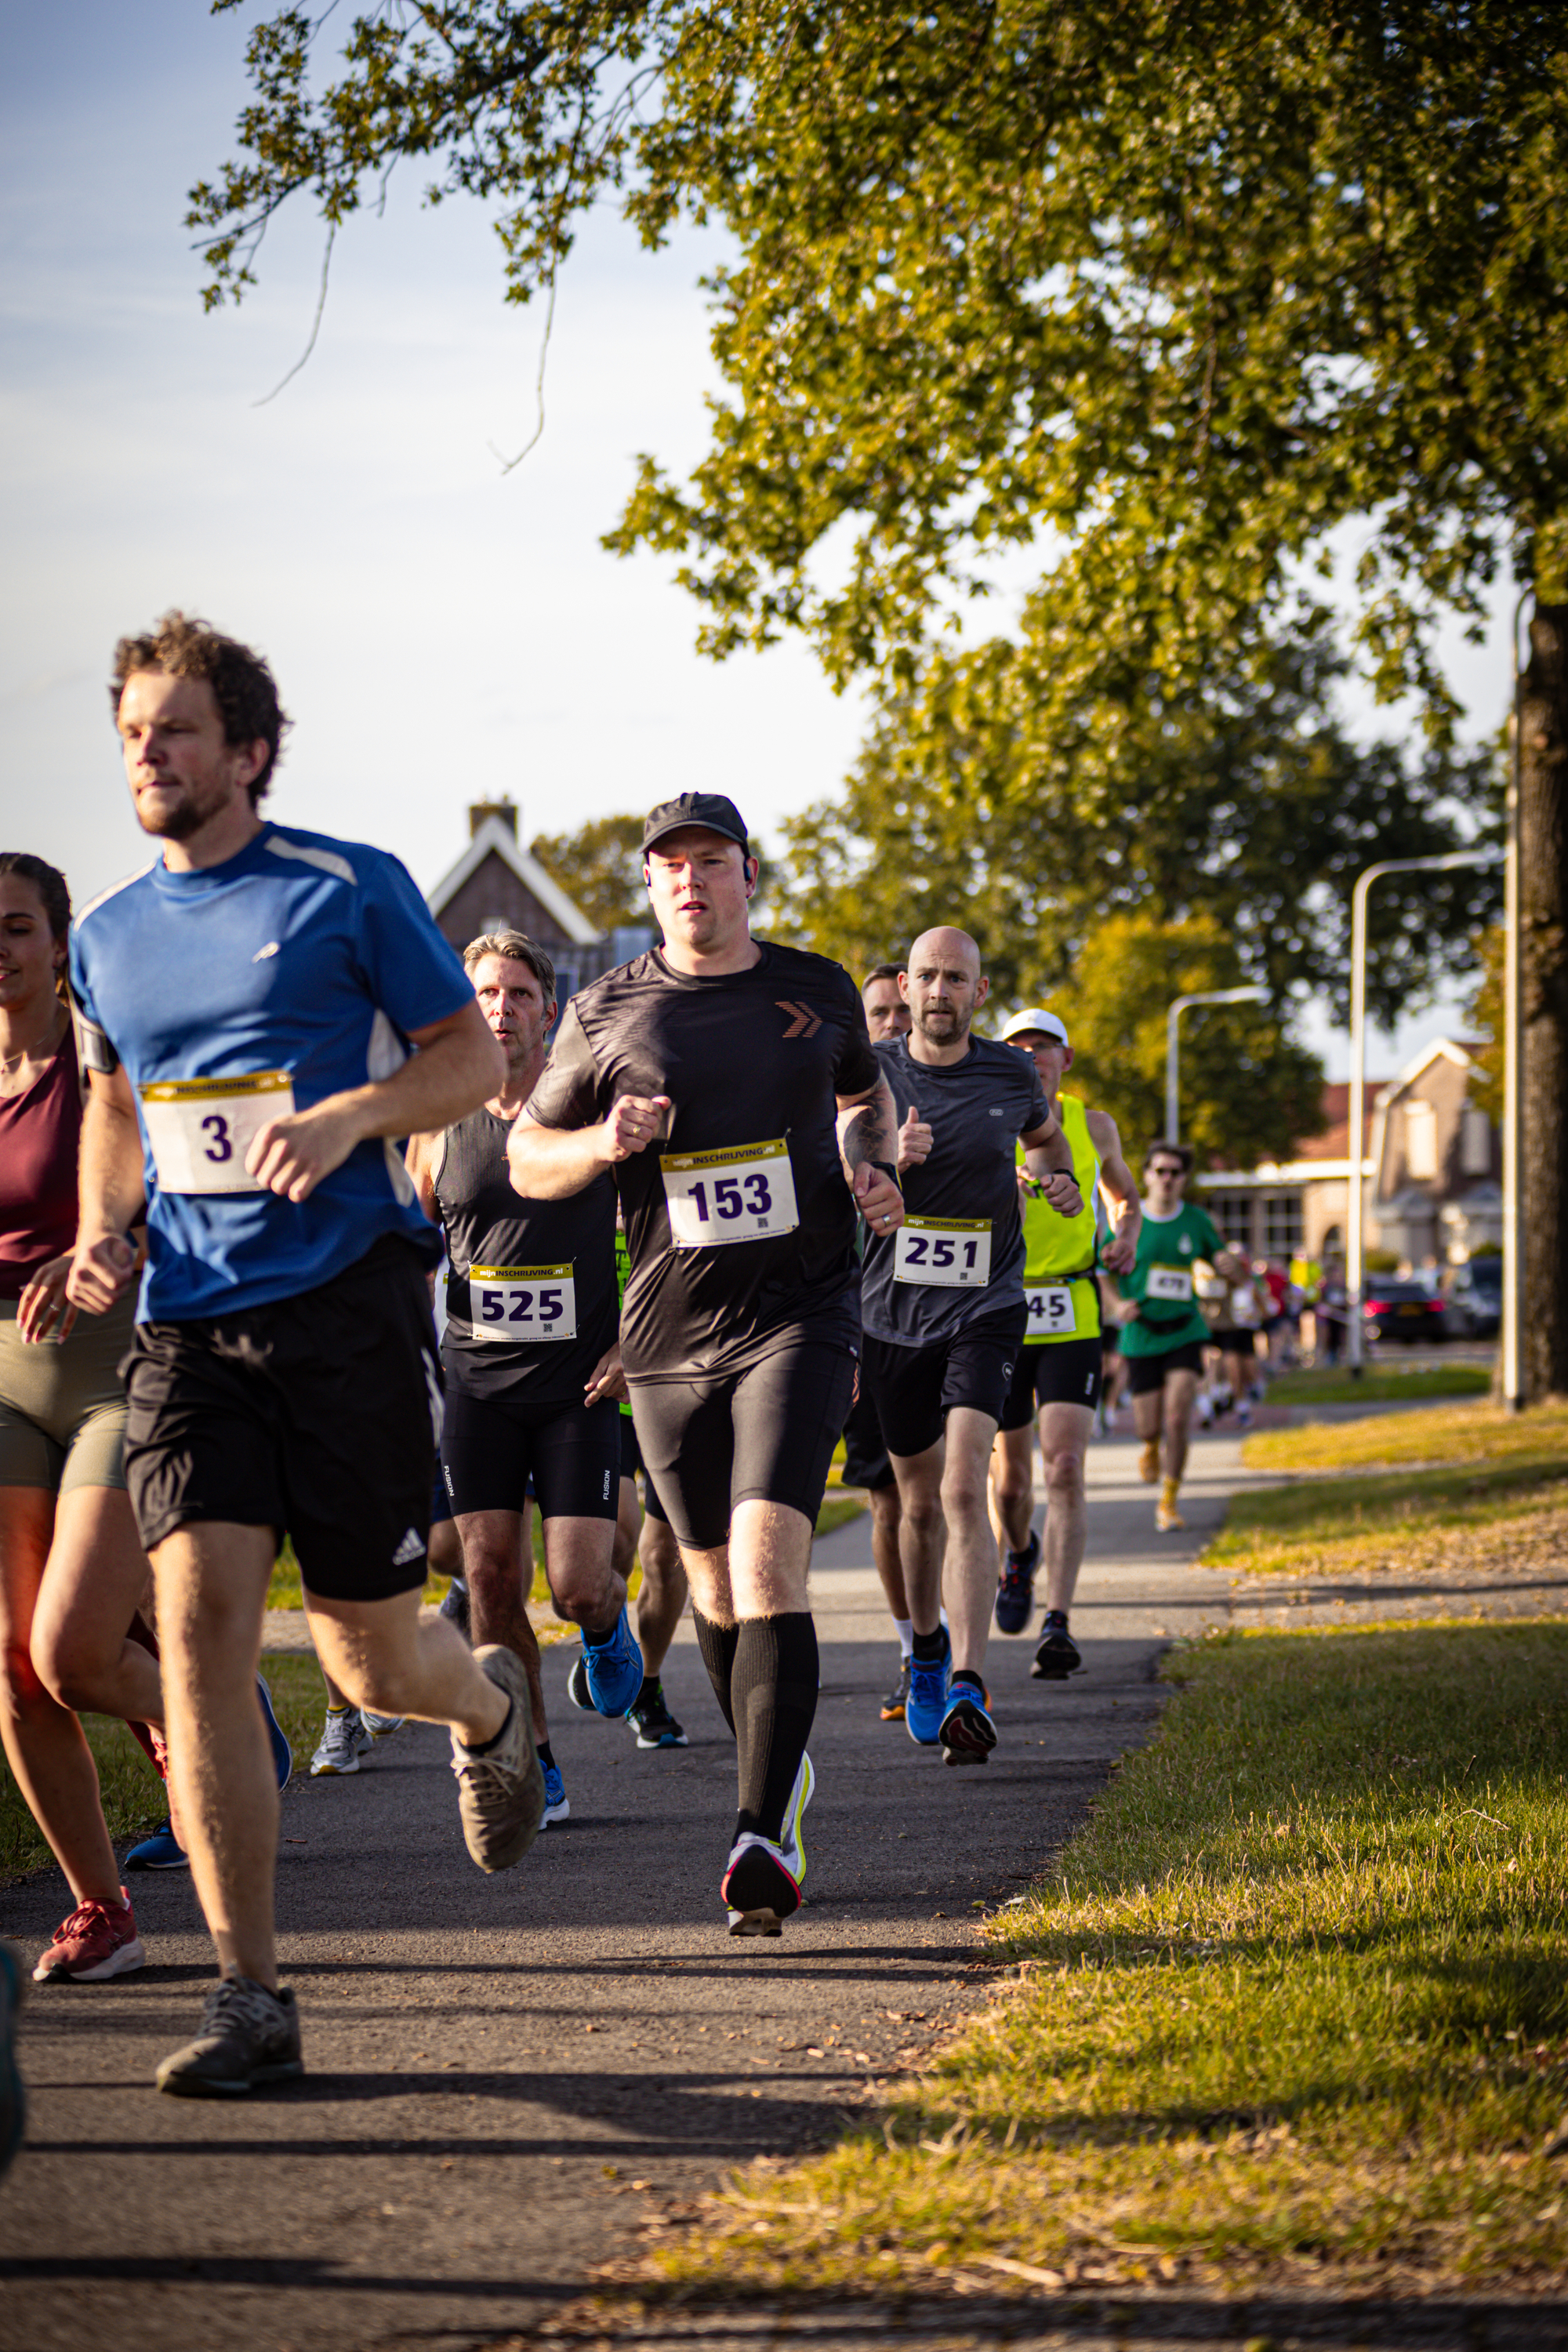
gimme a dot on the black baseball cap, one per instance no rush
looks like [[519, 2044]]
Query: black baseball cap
[[709, 809]]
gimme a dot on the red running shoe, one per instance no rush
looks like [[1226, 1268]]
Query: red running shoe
[[99, 1941]]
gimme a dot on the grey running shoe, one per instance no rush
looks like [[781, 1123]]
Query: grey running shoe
[[344, 1742], [455, 1608], [501, 1792], [381, 1727], [248, 2036]]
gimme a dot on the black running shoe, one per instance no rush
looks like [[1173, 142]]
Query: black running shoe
[[893, 1706], [455, 1608], [651, 1719], [1015, 1588], [1058, 1655]]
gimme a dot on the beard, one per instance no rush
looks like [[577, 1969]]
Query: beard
[[197, 805], [941, 1025]]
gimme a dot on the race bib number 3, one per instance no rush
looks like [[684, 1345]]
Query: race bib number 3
[[201, 1129], [1050, 1307], [522, 1304], [950, 1252], [746, 1194], [1171, 1282]]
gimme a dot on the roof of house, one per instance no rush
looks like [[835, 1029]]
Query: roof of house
[[496, 838]]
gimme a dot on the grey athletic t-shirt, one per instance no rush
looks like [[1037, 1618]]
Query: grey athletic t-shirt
[[962, 1219]]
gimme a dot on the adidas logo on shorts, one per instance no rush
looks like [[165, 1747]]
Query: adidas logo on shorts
[[411, 1549]]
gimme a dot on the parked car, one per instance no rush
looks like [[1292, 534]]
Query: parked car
[[1402, 1310], [1475, 1299]]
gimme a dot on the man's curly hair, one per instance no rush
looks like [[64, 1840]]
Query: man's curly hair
[[243, 685]]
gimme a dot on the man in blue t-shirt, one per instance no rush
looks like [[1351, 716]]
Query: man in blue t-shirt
[[248, 1003]]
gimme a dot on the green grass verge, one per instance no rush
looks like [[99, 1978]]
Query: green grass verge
[[1293, 2007], [131, 1791], [1460, 1434], [1379, 1384]]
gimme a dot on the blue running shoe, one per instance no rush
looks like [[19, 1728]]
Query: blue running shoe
[[927, 1702], [613, 1669], [1015, 1587], [283, 1754], [967, 1734], [161, 1851], [557, 1803], [577, 1685]]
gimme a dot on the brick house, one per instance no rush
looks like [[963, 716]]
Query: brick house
[[497, 884], [1430, 1161]]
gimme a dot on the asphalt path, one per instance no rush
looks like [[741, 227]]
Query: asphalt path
[[505, 2077]]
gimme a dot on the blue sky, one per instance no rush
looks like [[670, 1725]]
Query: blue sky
[[440, 633]]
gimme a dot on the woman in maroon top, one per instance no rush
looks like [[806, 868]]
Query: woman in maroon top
[[72, 1569]]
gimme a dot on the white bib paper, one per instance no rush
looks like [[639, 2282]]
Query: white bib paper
[[1051, 1307], [1171, 1282], [744, 1194], [950, 1253], [522, 1304], [201, 1129]]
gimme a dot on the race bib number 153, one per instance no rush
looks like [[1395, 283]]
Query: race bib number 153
[[746, 1194]]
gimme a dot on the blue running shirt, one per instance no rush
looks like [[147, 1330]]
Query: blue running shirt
[[304, 958]]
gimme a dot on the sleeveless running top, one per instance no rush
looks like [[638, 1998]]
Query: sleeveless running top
[[38, 1136], [1062, 1250], [530, 1296]]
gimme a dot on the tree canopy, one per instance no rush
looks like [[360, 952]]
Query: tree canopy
[[1247, 1091], [600, 868]]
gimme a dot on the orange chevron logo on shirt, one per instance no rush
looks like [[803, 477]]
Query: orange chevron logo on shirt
[[804, 1021]]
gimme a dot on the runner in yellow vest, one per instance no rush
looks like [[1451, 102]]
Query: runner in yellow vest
[[1057, 1373]]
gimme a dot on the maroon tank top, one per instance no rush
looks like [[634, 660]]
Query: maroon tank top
[[39, 1134]]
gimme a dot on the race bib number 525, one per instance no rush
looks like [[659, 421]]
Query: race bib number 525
[[746, 1194], [522, 1304], [201, 1129]]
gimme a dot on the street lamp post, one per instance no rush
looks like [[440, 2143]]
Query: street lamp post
[[1173, 1047], [1354, 1254], [1511, 1337]]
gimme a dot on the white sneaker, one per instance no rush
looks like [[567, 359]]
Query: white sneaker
[[381, 1727], [344, 1742]]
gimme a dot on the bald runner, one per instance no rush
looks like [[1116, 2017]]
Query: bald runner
[[943, 1313]]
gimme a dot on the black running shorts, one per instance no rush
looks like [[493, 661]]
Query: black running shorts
[[492, 1447], [1147, 1373], [316, 1416], [1059, 1371], [915, 1388], [1235, 1339], [865, 1463], [765, 1434], [632, 1462]]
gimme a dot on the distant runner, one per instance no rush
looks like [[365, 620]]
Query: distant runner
[[710, 1075], [942, 1303], [249, 1002], [1162, 1331], [526, 1351], [1057, 1373]]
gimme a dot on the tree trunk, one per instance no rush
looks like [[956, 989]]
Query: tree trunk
[[1543, 928]]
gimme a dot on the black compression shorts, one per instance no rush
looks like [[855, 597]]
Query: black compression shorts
[[1147, 1373], [865, 1463], [915, 1388], [765, 1434], [1235, 1339], [1059, 1371], [316, 1416], [632, 1462], [493, 1446]]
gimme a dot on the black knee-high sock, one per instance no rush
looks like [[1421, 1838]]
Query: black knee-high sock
[[717, 1643], [773, 1686]]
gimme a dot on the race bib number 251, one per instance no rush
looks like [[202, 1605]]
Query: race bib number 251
[[944, 1253], [746, 1194], [201, 1129]]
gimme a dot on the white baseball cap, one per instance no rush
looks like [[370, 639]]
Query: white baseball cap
[[1035, 1017]]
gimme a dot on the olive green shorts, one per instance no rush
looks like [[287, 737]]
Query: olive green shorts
[[62, 1407]]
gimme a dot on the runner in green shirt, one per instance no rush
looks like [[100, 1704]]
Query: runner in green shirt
[[1163, 1333]]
